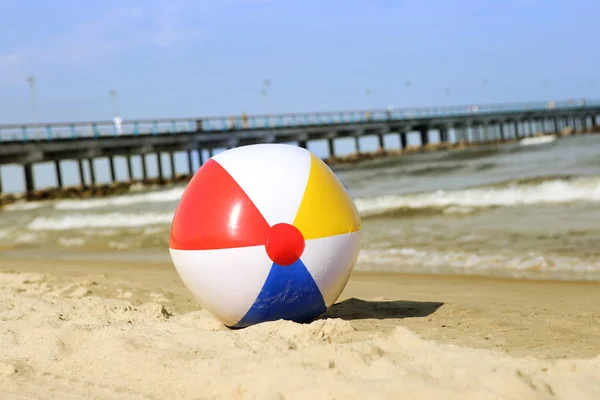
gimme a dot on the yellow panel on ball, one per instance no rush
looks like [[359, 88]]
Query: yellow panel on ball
[[326, 208]]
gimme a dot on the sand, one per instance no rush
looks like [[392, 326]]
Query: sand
[[77, 329]]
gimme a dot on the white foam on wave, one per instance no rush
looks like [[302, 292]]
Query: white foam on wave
[[23, 206], [71, 242], [104, 220], [27, 238], [463, 201], [536, 140], [162, 196], [531, 264]]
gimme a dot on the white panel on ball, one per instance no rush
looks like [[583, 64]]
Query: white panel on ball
[[330, 261], [226, 281], [275, 182]]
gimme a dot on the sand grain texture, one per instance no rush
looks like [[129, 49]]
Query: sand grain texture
[[67, 338]]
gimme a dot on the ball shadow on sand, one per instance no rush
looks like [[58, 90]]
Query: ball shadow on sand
[[354, 309]]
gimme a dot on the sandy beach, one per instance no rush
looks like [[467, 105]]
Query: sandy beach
[[131, 330], [478, 278], [417, 185]]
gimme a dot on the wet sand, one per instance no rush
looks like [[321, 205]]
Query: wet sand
[[127, 330]]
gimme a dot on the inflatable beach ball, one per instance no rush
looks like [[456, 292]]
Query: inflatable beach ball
[[265, 232]]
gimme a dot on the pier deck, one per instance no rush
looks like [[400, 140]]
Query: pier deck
[[28, 144]]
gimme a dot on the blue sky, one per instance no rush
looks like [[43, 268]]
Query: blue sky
[[206, 57], [187, 58]]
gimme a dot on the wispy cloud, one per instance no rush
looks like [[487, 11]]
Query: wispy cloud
[[117, 30], [8, 59]]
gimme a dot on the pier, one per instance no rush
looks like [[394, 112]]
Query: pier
[[83, 142]]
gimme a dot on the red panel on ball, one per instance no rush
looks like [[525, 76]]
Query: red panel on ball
[[215, 213]]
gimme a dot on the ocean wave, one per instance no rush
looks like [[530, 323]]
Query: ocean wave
[[464, 201], [552, 191], [527, 265], [71, 242], [471, 153], [537, 140], [103, 220], [162, 196], [23, 206], [431, 170]]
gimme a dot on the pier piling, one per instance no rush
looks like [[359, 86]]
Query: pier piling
[[111, 166], [129, 167], [403, 140], [424, 132], [144, 168], [81, 173], [59, 181], [29, 182], [381, 142], [330, 147], [190, 161], [92, 172], [172, 164], [161, 176], [444, 135]]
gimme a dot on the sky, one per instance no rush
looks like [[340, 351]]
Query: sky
[[207, 57]]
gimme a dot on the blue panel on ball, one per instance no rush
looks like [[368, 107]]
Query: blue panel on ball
[[289, 293]]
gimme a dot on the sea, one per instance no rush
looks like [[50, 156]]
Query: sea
[[517, 210]]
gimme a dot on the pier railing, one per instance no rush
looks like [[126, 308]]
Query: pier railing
[[75, 130]]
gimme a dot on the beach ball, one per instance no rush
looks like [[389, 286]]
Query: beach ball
[[265, 232]]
